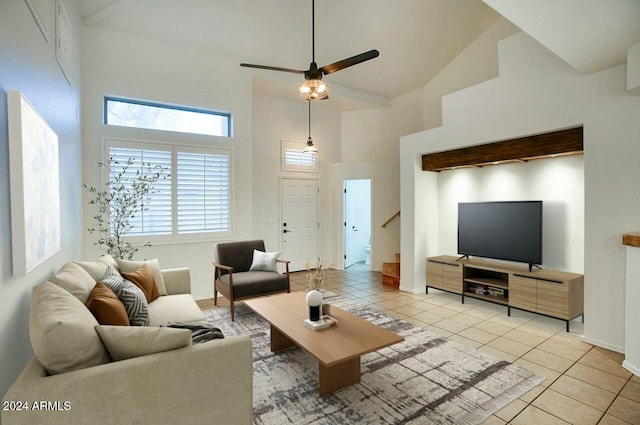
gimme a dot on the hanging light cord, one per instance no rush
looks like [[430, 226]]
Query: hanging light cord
[[313, 30], [309, 119]]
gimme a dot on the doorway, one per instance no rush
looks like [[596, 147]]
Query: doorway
[[357, 223], [299, 227]]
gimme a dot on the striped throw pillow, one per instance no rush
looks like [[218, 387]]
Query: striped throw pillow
[[131, 296]]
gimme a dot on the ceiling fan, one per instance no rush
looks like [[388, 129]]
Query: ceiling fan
[[313, 87]]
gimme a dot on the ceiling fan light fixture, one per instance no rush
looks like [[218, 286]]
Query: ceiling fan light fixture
[[313, 89]]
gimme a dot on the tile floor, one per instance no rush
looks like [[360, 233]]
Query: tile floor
[[585, 384]]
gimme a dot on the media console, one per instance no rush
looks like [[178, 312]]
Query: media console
[[551, 293]]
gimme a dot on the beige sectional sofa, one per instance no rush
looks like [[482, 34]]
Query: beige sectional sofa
[[161, 379]]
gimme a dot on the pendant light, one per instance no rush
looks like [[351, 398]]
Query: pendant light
[[310, 148]]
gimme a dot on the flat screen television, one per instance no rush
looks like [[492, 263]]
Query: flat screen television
[[509, 231]]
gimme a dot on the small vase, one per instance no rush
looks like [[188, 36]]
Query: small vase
[[314, 301]]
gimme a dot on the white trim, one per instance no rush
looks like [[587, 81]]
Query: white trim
[[616, 348], [340, 225], [174, 238], [372, 222], [635, 369]]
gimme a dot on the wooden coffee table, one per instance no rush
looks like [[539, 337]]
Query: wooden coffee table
[[337, 349]]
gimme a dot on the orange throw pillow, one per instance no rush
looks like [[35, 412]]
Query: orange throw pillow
[[106, 307], [143, 279]]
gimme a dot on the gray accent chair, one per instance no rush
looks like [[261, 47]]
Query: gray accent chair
[[233, 279]]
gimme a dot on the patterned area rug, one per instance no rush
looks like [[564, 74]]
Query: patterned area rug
[[426, 379]]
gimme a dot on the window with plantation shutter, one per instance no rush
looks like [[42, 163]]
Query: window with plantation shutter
[[156, 218], [294, 159], [203, 192], [193, 203]]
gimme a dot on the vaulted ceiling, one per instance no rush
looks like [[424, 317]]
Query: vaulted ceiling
[[416, 38]]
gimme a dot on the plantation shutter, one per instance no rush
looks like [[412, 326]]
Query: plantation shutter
[[297, 157], [203, 191], [294, 159], [155, 219]]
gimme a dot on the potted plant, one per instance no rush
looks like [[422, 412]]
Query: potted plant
[[126, 195]]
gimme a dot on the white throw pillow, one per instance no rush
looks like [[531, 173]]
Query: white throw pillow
[[264, 261], [124, 342], [75, 280], [98, 268], [62, 331], [127, 266]]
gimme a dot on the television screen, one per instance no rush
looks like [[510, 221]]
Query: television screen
[[502, 230]]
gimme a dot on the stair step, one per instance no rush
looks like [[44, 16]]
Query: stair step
[[391, 274]]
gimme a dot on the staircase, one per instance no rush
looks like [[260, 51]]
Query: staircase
[[391, 273]]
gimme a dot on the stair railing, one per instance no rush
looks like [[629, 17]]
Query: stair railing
[[392, 217]]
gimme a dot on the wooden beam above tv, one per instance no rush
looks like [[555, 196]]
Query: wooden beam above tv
[[523, 149]]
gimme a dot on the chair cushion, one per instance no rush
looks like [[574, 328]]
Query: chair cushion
[[62, 331], [238, 255], [249, 284], [174, 308]]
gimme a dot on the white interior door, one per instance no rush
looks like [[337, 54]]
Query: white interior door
[[299, 222], [348, 226]]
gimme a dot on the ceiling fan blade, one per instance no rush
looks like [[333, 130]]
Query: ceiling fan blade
[[272, 68], [345, 63]]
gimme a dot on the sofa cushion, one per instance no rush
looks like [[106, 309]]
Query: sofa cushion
[[128, 266], [174, 308], [143, 279], [125, 343], [62, 331], [131, 296], [264, 261], [98, 268], [75, 280], [106, 307], [248, 284]]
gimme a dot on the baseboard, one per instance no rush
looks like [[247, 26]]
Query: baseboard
[[410, 290], [631, 368], [616, 348]]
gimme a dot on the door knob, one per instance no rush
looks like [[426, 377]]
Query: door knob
[[284, 231]]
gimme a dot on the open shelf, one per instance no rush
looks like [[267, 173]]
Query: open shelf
[[496, 283], [499, 300]]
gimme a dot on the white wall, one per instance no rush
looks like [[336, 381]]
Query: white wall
[[28, 64], [114, 65], [558, 182], [535, 93], [385, 242], [477, 63], [275, 120], [121, 64], [370, 149]]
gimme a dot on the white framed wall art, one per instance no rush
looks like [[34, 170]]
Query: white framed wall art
[[35, 185]]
